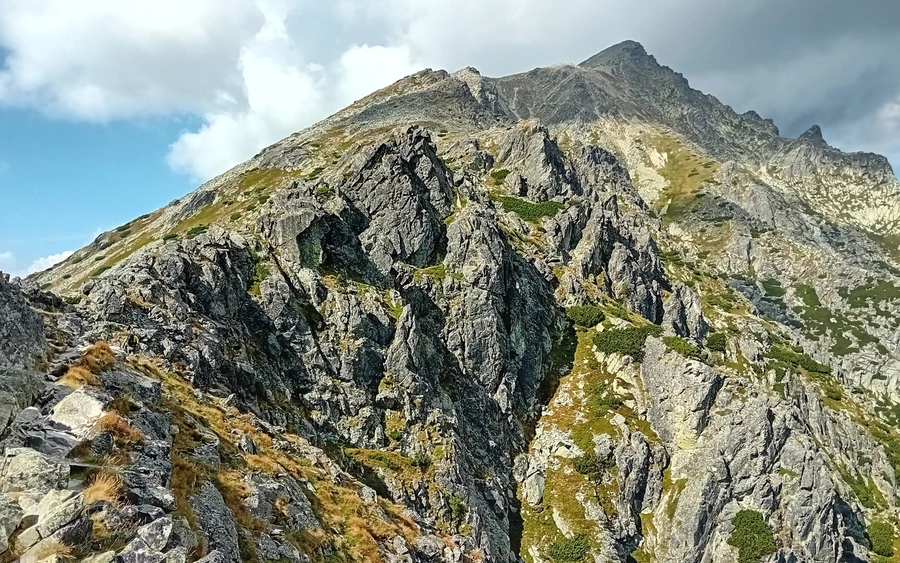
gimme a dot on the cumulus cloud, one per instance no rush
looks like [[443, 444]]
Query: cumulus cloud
[[282, 92], [9, 263], [364, 68], [104, 59], [42, 264], [279, 91]]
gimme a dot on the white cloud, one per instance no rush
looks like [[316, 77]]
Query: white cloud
[[10, 264], [365, 68], [103, 59], [283, 94], [42, 264]]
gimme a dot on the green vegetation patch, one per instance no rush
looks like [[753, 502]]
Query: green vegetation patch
[[499, 176], [752, 536], [671, 257], [260, 273], [807, 294], [821, 321], [531, 212], [682, 346], [686, 173], [437, 272], [796, 360], [586, 315], [196, 231], [627, 341], [717, 342], [875, 292], [602, 399], [886, 435], [863, 489], [773, 287], [881, 538], [567, 550], [458, 508], [264, 178], [592, 466]]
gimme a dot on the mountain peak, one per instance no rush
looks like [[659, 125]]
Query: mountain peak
[[813, 135], [619, 52]]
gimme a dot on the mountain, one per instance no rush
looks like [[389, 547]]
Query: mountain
[[583, 313]]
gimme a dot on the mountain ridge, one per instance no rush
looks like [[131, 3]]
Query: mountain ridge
[[579, 313]]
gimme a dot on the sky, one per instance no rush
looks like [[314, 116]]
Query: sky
[[111, 109]]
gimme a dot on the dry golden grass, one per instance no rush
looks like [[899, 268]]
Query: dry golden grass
[[119, 427], [186, 479], [234, 490], [77, 376], [98, 357], [108, 487], [337, 504], [49, 549]]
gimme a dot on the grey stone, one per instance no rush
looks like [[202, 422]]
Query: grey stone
[[55, 510], [217, 521], [214, 556], [105, 557], [32, 474], [283, 499], [78, 412], [247, 445], [10, 517], [102, 444]]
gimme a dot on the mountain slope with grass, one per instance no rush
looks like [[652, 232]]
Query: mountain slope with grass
[[584, 313]]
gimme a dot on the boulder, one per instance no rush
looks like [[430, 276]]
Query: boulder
[[32, 474], [77, 412], [217, 522]]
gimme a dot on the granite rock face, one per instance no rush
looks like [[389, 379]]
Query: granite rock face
[[583, 313]]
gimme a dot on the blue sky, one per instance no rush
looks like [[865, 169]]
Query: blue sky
[[109, 110], [61, 182]]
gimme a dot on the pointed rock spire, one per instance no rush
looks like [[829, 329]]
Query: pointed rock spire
[[619, 52], [813, 135]]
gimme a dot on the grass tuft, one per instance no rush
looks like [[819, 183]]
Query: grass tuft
[[77, 376], [107, 487], [98, 358], [119, 427]]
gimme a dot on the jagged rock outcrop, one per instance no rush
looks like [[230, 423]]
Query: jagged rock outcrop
[[22, 347]]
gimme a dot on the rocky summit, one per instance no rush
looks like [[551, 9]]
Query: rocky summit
[[581, 314]]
